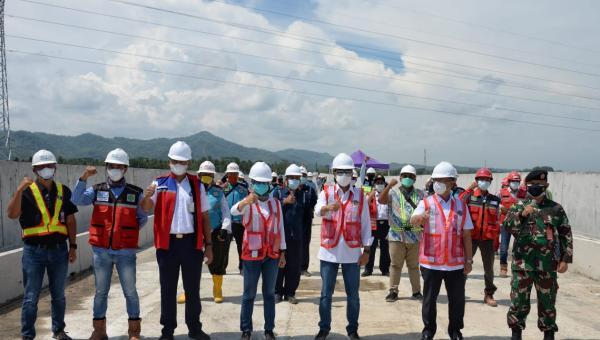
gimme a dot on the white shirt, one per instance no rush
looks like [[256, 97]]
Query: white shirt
[[382, 209], [264, 210], [460, 208], [183, 220], [342, 253], [225, 213]]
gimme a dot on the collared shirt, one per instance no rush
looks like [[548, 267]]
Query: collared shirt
[[183, 220], [399, 219], [446, 205], [382, 209], [31, 216], [264, 210], [225, 215], [342, 253], [85, 196]]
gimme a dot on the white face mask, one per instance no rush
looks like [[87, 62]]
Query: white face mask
[[379, 187], [439, 187], [115, 175], [514, 185], [353, 182], [46, 173], [178, 169], [343, 180], [484, 185]]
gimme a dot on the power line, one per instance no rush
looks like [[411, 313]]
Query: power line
[[591, 74], [289, 77], [324, 42], [536, 123], [311, 51]]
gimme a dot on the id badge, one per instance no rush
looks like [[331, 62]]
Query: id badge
[[191, 207], [255, 242]]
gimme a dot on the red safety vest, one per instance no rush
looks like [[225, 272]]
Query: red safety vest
[[373, 213], [166, 197], [507, 200], [346, 221], [442, 243], [257, 245], [114, 221], [483, 215]]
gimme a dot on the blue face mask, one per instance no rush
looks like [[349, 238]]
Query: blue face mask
[[303, 180], [261, 189], [293, 183]]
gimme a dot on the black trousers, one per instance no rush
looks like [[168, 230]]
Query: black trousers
[[488, 257], [306, 244], [238, 234], [288, 277], [455, 287], [380, 239], [182, 253], [220, 254]]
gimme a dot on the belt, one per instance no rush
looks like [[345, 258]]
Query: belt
[[181, 236], [49, 246]]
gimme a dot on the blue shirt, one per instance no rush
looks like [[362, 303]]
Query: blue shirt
[[85, 196], [293, 214]]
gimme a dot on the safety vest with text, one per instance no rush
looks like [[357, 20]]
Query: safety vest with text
[[258, 244], [345, 221]]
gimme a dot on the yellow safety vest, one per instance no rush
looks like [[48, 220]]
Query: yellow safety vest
[[48, 225]]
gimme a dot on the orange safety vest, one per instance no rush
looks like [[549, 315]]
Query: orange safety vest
[[346, 221], [484, 215], [49, 224], [507, 200], [442, 243], [373, 213], [257, 245]]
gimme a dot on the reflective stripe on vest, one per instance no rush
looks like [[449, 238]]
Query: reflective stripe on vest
[[404, 218], [347, 221], [257, 245], [48, 225]]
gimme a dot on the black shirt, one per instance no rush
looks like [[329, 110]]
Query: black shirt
[[31, 215]]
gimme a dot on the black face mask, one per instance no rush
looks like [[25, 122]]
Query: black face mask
[[536, 189]]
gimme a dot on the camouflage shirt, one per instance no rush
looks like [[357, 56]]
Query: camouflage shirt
[[542, 239]]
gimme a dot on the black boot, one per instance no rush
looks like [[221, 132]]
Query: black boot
[[549, 335], [517, 334]]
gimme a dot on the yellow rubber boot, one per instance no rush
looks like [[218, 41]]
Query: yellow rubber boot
[[218, 288], [181, 298]]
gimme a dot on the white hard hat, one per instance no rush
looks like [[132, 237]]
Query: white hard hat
[[371, 171], [207, 167], [293, 170], [180, 151], [408, 169], [273, 174], [303, 170], [444, 170], [43, 157], [354, 173], [117, 156], [310, 174], [232, 167], [260, 172], [241, 175], [342, 162]]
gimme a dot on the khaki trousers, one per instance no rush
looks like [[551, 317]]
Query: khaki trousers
[[400, 252]]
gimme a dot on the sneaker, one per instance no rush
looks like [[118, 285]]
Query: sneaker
[[306, 273], [27, 338], [166, 337], [246, 336], [353, 336], [366, 273], [517, 334], [385, 274], [456, 336], [392, 296], [269, 335], [549, 335], [61, 335], [417, 296], [278, 298], [292, 299], [426, 337], [199, 335], [322, 335]]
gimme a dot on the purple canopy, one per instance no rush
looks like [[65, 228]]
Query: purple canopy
[[358, 157]]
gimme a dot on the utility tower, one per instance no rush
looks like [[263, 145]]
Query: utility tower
[[5, 148]]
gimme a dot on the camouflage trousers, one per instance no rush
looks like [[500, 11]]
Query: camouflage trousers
[[546, 286]]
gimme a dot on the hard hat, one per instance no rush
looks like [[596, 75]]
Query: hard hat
[[371, 171], [180, 151], [207, 167], [260, 172], [408, 169], [309, 174], [444, 170], [303, 170], [117, 156], [241, 175], [342, 162], [293, 170], [505, 181], [483, 173], [232, 167], [514, 176], [43, 157], [354, 173], [273, 174]]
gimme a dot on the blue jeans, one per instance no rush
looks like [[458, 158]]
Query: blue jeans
[[351, 274], [103, 269], [252, 270], [504, 243], [37, 260]]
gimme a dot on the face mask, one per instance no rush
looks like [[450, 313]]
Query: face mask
[[178, 169], [303, 180], [407, 182], [353, 182], [484, 185], [206, 179], [293, 183], [439, 187], [261, 189], [343, 180], [46, 173], [536, 190], [514, 185], [232, 179], [115, 175], [379, 187]]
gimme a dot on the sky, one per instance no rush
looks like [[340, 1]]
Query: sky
[[506, 84]]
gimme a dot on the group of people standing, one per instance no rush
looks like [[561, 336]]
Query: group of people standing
[[196, 216]]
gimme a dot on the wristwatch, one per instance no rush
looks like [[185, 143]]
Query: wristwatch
[[469, 261], [73, 246]]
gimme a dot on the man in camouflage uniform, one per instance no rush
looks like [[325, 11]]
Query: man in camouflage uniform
[[543, 245]]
